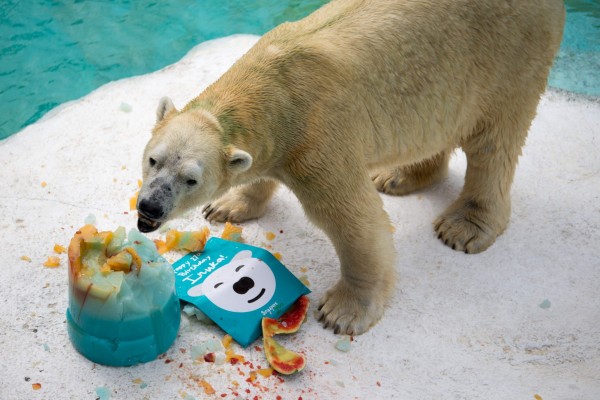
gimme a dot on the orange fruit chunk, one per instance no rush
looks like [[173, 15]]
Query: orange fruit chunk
[[189, 241], [52, 262], [232, 233], [58, 249]]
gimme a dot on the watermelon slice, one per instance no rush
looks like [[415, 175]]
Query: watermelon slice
[[282, 360]]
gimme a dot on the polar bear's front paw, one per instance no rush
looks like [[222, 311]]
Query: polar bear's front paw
[[231, 209], [342, 310], [467, 227]]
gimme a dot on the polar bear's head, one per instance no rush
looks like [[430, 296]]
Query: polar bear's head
[[186, 163], [244, 284]]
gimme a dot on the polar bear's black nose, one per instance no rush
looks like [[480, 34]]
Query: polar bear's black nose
[[243, 285], [150, 209]]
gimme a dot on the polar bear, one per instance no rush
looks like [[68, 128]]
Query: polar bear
[[362, 96]]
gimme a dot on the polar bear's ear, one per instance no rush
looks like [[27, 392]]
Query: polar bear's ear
[[165, 106], [239, 160]]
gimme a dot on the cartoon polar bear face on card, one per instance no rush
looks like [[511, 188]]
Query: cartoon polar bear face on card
[[244, 284]]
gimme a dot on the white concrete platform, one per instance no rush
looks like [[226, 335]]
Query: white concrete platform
[[519, 321]]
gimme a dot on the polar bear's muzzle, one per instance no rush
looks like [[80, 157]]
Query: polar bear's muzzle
[[146, 225], [148, 214]]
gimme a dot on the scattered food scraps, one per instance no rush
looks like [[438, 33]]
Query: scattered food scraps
[[232, 233], [269, 235], [44, 184], [188, 241], [278, 256], [133, 201], [52, 262], [208, 389], [58, 249], [25, 258], [545, 304], [266, 372], [343, 344], [36, 386], [227, 339], [537, 397]]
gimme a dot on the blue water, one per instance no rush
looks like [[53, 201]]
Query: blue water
[[55, 51], [577, 66]]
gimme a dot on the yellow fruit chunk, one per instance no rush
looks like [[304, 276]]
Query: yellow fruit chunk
[[270, 235], [226, 341], [266, 372], [119, 262], [52, 262], [58, 249], [188, 241], [232, 233], [133, 201], [208, 389]]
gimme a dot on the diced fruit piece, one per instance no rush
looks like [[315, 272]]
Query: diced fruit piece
[[52, 262], [120, 262], [231, 232], [189, 241], [133, 201], [282, 360], [58, 249], [269, 235], [265, 372]]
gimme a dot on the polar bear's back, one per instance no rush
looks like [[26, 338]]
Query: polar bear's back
[[418, 74], [464, 59]]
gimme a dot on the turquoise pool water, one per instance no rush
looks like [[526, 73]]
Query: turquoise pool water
[[55, 51], [577, 66]]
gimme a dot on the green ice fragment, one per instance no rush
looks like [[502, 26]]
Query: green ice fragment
[[545, 304], [102, 393], [343, 344]]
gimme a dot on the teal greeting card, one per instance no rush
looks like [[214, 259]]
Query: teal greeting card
[[236, 285]]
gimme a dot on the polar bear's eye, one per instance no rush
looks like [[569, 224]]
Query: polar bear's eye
[[218, 284], [152, 162], [191, 182], [240, 267]]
